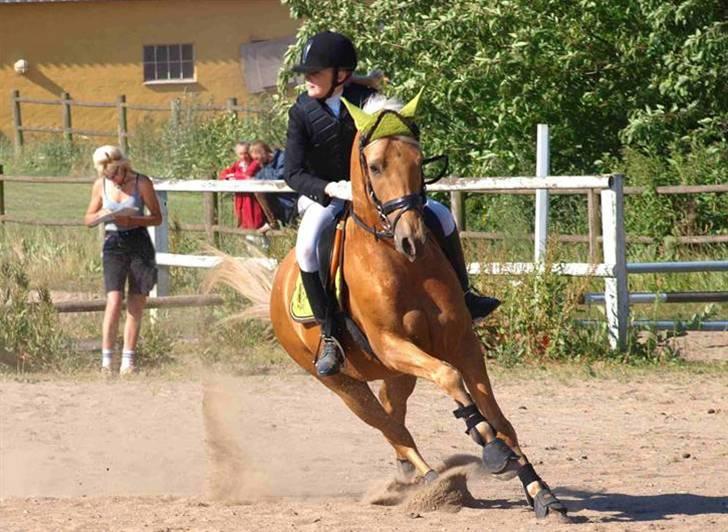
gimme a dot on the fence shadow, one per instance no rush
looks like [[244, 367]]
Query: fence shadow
[[624, 508]]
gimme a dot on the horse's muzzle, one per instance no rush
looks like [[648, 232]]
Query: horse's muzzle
[[410, 235]]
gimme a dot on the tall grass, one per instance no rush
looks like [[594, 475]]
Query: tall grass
[[31, 337]]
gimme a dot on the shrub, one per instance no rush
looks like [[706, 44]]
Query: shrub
[[31, 338]]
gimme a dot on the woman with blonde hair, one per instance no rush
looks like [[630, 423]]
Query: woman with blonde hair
[[118, 199]]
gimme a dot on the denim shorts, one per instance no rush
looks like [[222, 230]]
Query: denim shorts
[[129, 254]]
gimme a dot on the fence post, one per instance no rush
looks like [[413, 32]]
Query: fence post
[[17, 120], [542, 196], [457, 206], [593, 216], [160, 238], [209, 202], [230, 105], [174, 108], [123, 133], [616, 291], [66, 106], [2, 197]]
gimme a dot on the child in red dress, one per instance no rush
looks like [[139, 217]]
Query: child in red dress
[[247, 209]]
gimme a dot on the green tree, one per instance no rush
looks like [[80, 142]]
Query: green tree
[[599, 72]]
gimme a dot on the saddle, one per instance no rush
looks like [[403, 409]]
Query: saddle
[[331, 273]]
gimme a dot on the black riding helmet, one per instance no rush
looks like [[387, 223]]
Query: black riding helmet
[[328, 49]]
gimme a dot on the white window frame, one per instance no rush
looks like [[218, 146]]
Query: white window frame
[[155, 62]]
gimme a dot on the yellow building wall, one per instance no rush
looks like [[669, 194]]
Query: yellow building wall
[[93, 51]]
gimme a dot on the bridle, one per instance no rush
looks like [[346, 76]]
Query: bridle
[[410, 202]]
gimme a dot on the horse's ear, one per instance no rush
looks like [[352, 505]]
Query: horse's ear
[[410, 109], [361, 119]]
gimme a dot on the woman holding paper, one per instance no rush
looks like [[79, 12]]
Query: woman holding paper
[[118, 198]]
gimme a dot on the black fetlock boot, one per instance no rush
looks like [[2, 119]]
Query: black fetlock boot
[[479, 306], [331, 355]]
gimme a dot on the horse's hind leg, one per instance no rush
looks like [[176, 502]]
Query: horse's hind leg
[[393, 395], [359, 398]]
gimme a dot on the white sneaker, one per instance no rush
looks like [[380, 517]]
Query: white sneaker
[[126, 371]]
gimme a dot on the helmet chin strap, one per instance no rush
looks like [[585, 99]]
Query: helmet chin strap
[[335, 83]]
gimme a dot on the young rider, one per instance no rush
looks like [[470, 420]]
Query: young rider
[[318, 149]]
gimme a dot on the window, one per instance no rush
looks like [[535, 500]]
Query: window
[[261, 62], [169, 62]]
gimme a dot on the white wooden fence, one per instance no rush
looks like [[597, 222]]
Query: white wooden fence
[[613, 267]]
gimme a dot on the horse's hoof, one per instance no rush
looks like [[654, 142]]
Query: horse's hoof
[[545, 503], [430, 476], [499, 459]]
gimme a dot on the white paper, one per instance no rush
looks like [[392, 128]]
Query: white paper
[[109, 217]]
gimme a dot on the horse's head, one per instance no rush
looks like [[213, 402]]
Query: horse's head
[[386, 174]]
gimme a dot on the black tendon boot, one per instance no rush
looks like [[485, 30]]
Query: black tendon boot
[[331, 356], [478, 305]]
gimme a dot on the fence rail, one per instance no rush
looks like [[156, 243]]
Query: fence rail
[[482, 185], [67, 104], [98, 305]]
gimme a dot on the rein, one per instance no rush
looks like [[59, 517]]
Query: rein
[[415, 201]]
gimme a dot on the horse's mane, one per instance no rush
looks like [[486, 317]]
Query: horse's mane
[[378, 102]]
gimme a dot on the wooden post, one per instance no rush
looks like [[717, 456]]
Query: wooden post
[[175, 110], [17, 120], [616, 291], [542, 196], [160, 239], [2, 197], [123, 133], [230, 105], [209, 202], [457, 206], [66, 106], [593, 216]]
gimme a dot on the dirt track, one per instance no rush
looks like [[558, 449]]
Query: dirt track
[[282, 453]]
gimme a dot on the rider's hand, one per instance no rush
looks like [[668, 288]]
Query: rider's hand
[[339, 189]]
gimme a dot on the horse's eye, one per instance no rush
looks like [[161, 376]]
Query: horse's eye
[[375, 169]]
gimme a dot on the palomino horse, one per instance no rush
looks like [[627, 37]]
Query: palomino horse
[[405, 296]]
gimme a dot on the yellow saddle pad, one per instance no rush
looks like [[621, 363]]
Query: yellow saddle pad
[[300, 307]]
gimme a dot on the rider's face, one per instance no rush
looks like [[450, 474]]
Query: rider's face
[[319, 83]]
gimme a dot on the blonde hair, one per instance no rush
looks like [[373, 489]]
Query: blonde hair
[[260, 147], [110, 157]]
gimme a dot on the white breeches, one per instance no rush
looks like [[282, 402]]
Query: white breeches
[[314, 218]]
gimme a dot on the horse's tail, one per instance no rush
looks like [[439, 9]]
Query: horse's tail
[[251, 277]]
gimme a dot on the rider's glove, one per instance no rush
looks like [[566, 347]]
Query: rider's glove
[[339, 189]]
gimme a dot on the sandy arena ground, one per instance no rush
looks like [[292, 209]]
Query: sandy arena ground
[[282, 453]]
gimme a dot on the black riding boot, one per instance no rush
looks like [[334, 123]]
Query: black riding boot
[[478, 305], [331, 356]]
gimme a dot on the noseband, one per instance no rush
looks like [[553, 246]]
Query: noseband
[[410, 202]]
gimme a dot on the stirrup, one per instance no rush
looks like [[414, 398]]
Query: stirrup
[[331, 357]]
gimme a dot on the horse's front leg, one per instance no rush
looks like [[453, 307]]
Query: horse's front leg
[[504, 452], [498, 455]]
